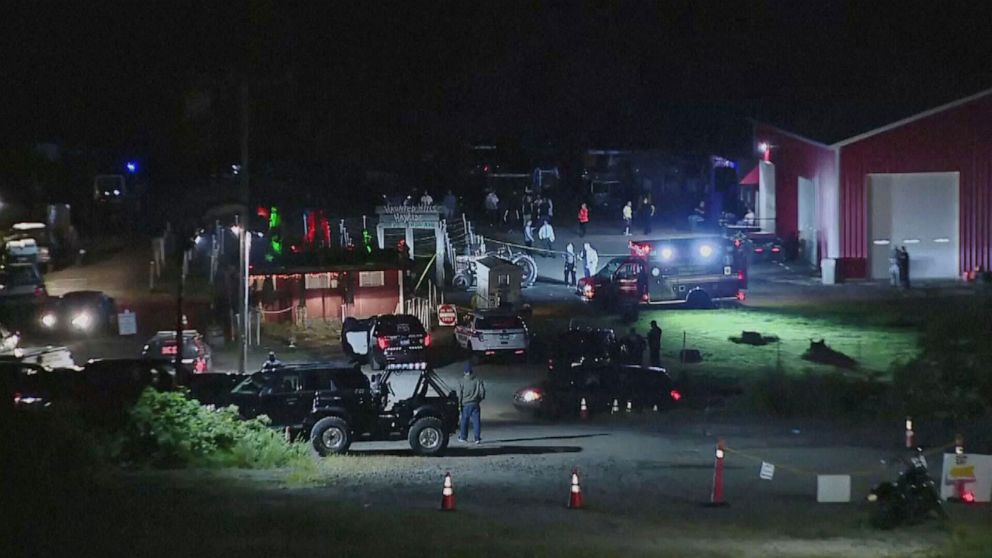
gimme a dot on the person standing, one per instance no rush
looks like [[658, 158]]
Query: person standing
[[529, 233], [904, 267], [547, 234], [471, 393], [628, 216], [450, 205], [583, 220], [654, 344], [647, 213], [590, 258], [569, 258], [492, 208], [895, 267], [426, 198]]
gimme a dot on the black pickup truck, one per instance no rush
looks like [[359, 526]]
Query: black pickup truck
[[334, 404]]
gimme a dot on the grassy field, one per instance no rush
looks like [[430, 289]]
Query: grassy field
[[874, 339]]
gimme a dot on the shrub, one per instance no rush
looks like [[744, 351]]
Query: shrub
[[782, 394], [168, 430]]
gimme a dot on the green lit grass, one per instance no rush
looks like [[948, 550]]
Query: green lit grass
[[875, 347]]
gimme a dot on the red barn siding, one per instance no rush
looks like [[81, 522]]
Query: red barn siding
[[958, 139], [793, 158], [326, 303]]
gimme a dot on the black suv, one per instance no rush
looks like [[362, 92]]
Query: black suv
[[333, 404], [600, 385], [388, 341]]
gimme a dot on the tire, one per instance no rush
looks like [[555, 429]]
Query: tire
[[461, 281], [330, 436], [699, 299], [528, 269], [428, 436]]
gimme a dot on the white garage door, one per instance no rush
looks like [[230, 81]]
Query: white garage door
[[918, 211]]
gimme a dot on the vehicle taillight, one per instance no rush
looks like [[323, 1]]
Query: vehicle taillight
[[675, 394], [382, 342], [588, 291], [644, 297], [427, 340], [740, 296], [39, 292], [776, 249], [740, 275], [759, 250]]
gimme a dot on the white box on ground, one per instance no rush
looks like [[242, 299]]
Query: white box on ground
[[832, 489], [967, 466], [127, 323], [828, 271]]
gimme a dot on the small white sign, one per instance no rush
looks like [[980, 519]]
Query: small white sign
[[974, 470], [127, 323], [833, 489], [767, 470]]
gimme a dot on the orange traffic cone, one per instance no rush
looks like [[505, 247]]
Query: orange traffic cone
[[448, 494], [583, 410], [575, 493]]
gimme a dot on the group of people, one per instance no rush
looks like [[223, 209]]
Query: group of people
[[519, 209], [645, 214], [589, 258], [633, 344], [899, 267]]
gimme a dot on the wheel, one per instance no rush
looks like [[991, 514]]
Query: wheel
[[528, 268], [699, 299], [461, 281], [428, 436], [330, 435]]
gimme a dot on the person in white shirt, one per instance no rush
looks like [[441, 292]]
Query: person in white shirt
[[492, 208], [426, 199], [628, 216], [590, 258], [547, 234]]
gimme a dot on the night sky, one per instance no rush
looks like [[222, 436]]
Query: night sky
[[360, 79]]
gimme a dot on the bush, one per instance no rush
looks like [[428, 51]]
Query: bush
[[168, 430]]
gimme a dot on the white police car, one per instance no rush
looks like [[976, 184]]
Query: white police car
[[488, 333]]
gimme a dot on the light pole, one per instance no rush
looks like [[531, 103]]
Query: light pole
[[244, 252]]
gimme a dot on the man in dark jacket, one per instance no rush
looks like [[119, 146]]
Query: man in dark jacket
[[654, 344], [471, 392]]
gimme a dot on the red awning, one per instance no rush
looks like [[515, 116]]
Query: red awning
[[751, 178]]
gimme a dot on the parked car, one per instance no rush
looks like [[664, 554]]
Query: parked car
[[196, 353], [561, 394], [393, 341], [21, 282], [333, 404], [78, 312], [492, 332], [583, 346]]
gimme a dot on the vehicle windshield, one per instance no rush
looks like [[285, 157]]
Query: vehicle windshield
[[399, 325], [499, 322], [610, 268], [251, 385], [17, 276]]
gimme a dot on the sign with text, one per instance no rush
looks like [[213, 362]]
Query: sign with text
[[447, 315], [974, 470], [767, 471], [427, 216], [127, 323]]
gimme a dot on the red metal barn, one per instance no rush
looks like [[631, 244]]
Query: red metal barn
[[924, 182]]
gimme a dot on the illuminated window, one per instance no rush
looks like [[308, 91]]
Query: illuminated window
[[371, 278]]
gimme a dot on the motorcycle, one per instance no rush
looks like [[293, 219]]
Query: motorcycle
[[911, 499]]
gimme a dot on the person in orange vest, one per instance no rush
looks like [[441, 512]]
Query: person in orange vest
[[583, 219]]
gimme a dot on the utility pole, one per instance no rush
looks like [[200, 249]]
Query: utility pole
[[181, 247], [246, 330]]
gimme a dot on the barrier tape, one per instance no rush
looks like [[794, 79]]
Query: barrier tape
[[277, 311], [559, 252], [801, 471]]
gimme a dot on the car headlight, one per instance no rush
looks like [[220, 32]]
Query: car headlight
[[83, 320], [530, 396], [873, 497], [49, 320], [666, 253], [705, 250]]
